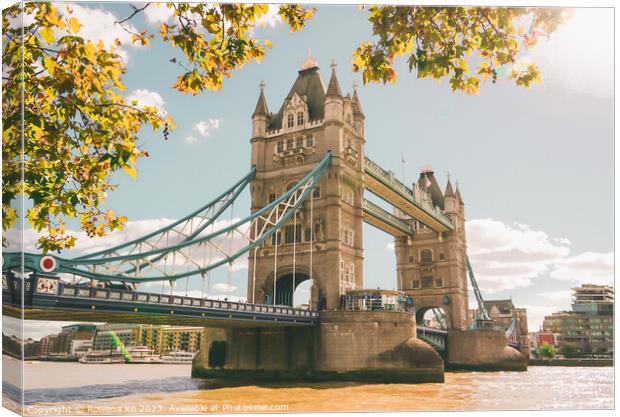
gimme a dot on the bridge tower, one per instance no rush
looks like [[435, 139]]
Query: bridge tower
[[327, 232], [431, 265]]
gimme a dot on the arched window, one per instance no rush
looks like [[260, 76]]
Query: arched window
[[426, 255], [300, 118], [291, 120]]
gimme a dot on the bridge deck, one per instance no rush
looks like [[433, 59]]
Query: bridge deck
[[385, 221], [384, 185], [49, 298]]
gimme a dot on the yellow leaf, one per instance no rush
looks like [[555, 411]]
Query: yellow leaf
[[47, 34], [49, 65], [268, 43], [74, 25], [131, 171], [109, 215]]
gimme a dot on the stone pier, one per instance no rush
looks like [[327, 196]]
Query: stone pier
[[482, 350], [369, 346]]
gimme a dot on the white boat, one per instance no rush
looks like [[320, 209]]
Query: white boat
[[178, 357], [102, 357], [141, 354]]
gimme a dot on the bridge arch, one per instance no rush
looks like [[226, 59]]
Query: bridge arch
[[284, 285], [424, 312]]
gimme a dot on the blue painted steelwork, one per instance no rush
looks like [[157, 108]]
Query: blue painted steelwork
[[483, 319], [268, 219], [437, 338]]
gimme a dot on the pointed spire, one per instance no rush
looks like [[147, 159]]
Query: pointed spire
[[309, 62], [449, 192], [457, 194], [357, 108], [261, 105], [333, 89]]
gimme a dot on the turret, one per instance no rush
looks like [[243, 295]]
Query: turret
[[457, 194], [358, 114], [333, 98], [450, 200], [260, 117]]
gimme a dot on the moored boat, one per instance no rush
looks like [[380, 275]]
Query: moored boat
[[102, 357], [178, 357], [141, 354]]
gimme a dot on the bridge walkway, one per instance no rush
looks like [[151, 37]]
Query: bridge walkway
[[383, 184]]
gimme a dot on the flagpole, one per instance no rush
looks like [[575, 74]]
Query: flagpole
[[402, 159]]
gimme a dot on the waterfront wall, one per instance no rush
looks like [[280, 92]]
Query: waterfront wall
[[571, 362], [356, 346], [482, 350]]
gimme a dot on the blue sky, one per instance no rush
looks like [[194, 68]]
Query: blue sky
[[535, 166]]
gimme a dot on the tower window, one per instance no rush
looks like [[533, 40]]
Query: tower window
[[309, 236], [292, 234], [415, 283], [309, 141], [426, 255], [272, 197], [280, 146], [442, 256], [427, 282], [316, 193], [300, 118], [439, 283], [411, 260], [299, 142], [291, 120], [289, 144]]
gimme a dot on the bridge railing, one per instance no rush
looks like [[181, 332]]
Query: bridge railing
[[386, 216], [46, 286], [389, 179]]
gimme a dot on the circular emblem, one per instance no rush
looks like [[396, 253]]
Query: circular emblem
[[446, 300], [47, 263]]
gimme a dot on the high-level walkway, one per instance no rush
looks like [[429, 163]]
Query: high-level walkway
[[382, 183]]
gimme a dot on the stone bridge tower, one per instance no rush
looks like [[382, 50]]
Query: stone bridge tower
[[431, 265], [286, 146]]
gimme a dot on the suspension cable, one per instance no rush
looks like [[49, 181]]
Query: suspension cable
[[202, 293], [294, 249], [254, 266], [230, 242], [275, 262], [312, 237]]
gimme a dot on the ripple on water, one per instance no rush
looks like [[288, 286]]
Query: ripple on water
[[540, 388]]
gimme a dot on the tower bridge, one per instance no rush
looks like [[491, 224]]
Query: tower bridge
[[309, 183]]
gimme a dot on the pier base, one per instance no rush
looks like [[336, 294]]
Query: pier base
[[482, 350], [368, 346]]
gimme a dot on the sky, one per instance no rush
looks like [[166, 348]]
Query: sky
[[535, 166]]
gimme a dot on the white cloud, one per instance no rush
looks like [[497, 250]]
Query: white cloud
[[224, 288], [96, 24], [99, 24], [143, 98], [561, 295], [506, 256], [191, 139], [271, 18], [509, 256], [588, 267], [202, 129], [158, 13]]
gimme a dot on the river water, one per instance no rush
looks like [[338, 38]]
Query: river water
[[73, 388]]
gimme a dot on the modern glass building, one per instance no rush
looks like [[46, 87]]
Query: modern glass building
[[589, 326]]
